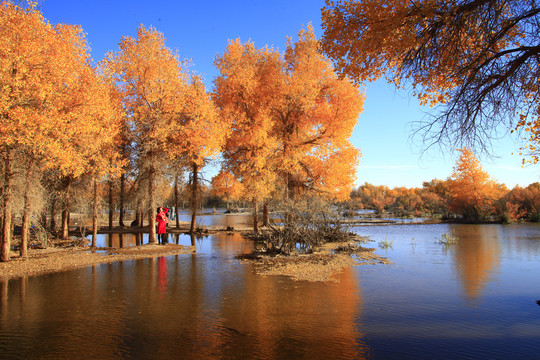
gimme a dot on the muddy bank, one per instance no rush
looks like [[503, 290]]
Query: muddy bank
[[42, 261], [321, 265]]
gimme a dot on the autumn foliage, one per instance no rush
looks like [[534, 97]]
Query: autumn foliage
[[468, 194], [292, 118], [278, 123], [225, 185], [478, 60], [54, 105], [471, 190]]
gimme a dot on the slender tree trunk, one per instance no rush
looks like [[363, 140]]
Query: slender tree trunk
[[122, 205], [44, 218], [151, 216], [65, 224], [52, 224], [286, 196], [266, 215], [7, 202], [65, 209], [194, 185], [176, 201], [286, 187], [26, 210], [138, 213], [255, 217], [111, 205], [95, 215]]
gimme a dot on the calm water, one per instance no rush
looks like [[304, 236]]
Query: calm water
[[472, 300]]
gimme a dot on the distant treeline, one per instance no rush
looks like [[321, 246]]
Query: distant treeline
[[439, 198]]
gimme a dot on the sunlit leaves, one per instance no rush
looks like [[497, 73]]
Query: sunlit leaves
[[152, 82], [476, 60], [291, 118], [226, 185], [471, 190], [53, 103], [198, 132]]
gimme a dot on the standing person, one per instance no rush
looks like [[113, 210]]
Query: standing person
[[162, 220]]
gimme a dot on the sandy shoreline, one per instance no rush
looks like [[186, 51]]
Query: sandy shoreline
[[319, 266], [43, 261]]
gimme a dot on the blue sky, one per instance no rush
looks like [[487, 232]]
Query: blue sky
[[200, 30]]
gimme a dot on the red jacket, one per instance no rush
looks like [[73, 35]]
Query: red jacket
[[162, 220]]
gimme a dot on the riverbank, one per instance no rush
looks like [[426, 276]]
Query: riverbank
[[43, 261], [319, 266], [73, 254]]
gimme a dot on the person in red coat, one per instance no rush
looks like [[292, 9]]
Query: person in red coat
[[162, 220]]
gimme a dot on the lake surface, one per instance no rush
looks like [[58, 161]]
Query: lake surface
[[472, 300]]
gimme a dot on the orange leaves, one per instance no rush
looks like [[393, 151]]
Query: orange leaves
[[226, 185], [477, 61], [52, 101], [471, 190], [199, 131], [315, 114], [152, 82], [244, 93], [531, 125], [291, 117]]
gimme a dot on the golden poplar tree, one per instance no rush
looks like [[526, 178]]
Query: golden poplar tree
[[291, 117], [152, 81], [314, 114], [471, 190], [244, 91], [226, 185], [51, 104], [196, 136]]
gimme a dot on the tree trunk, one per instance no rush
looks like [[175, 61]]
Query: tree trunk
[[7, 200], [176, 201], [65, 209], [286, 188], [52, 224], [44, 219], [194, 185], [65, 225], [255, 217], [26, 210], [138, 213], [266, 215], [111, 205], [151, 216], [122, 205], [95, 215]]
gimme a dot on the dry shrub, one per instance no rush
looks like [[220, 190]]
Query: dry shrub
[[304, 227]]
